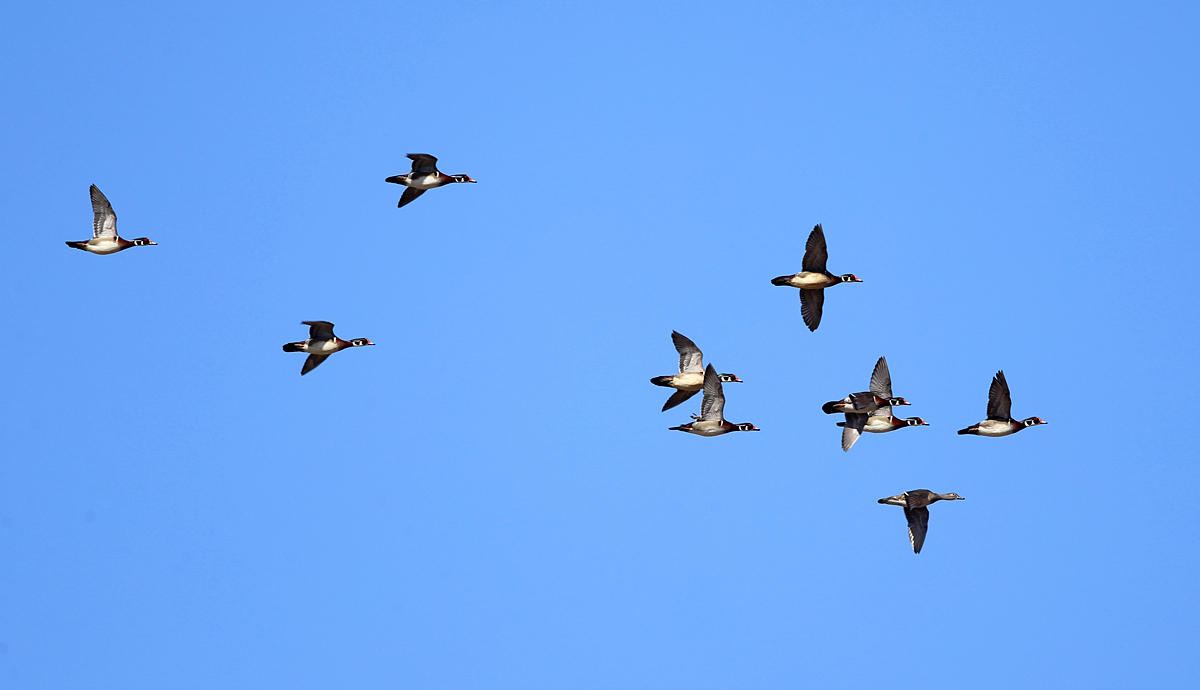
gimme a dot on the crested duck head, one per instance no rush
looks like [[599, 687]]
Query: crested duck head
[[915, 421], [849, 278], [463, 178], [894, 402], [1034, 421], [142, 242], [359, 342], [730, 378], [746, 426]]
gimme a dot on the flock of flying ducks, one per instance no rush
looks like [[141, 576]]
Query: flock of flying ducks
[[868, 411]]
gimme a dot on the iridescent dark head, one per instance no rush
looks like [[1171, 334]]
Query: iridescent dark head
[[143, 242], [730, 378], [359, 342], [1034, 421], [850, 278]]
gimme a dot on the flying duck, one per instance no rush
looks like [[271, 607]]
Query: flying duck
[[880, 421], [104, 229], [690, 378], [867, 401], [916, 511], [321, 343], [999, 421], [424, 175], [814, 278], [711, 421]]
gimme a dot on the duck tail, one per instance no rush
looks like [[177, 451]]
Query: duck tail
[[395, 179], [781, 280], [841, 424], [831, 407], [78, 245], [968, 430], [291, 347], [662, 381]]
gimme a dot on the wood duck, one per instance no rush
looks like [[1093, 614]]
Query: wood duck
[[711, 421], [424, 175], [999, 421], [104, 229], [814, 278], [690, 378], [321, 343], [880, 421], [868, 401], [916, 511]]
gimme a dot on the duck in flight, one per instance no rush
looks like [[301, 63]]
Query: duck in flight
[[690, 378], [424, 176], [814, 278], [916, 511], [999, 420], [320, 344], [711, 421], [104, 229]]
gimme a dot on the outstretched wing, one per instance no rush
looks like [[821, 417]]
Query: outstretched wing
[[690, 356], [677, 398], [815, 253], [999, 400], [104, 218], [812, 303], [423, 163], [881, 379], [319, 330], [852, 429], [918, 525], [409, 194], [312, 362], [713, 407]]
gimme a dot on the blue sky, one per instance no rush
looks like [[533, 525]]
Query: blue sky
[[490, 497]]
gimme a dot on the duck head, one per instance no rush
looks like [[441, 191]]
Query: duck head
[[463, 178], [746, 426], [1034, 421], [730, 378], [916, 421], [951, 497], [142, 242], [894, 402], [850, 278], [359, 342]]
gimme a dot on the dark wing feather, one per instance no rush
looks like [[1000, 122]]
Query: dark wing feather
[[815, 253], [690, 356], [713, 407], [918, 525], [881, 379], [423, 163], [812, 303], [312, 362], [409, 194], [999, 401], [860, 401], [104, 218], [677, 398], [319, 330]]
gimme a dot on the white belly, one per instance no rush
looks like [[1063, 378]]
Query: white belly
[[708, 428], [424, 181], [879, 425], [688, 381], [991, 427], [103, 245], [806, 280]]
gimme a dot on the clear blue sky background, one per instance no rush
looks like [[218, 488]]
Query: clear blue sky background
[[490, 497]]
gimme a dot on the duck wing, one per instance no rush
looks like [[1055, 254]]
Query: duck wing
[[812, 303], [690, 356], [312, 362], [712, 409], [852, 429], [423, 163], [319, 330], [881, 379], [410, 193], [104, 218], [918, 525], [816, 255], [677, 398], [999, 400]]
